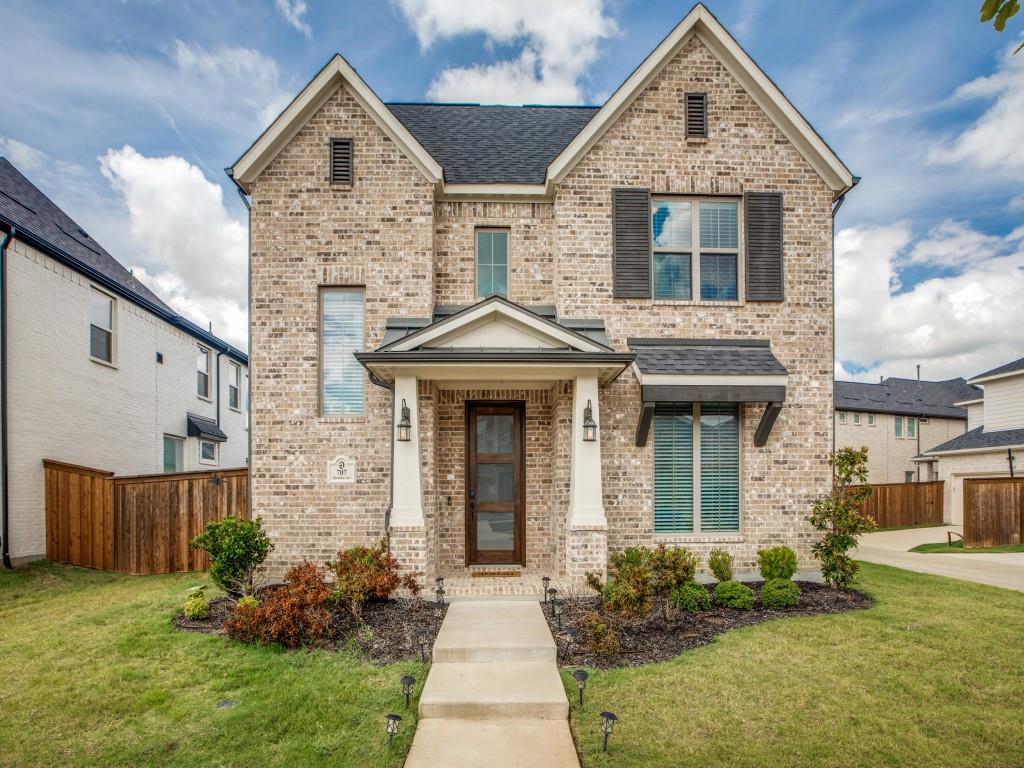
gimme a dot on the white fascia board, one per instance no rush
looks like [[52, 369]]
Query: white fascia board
[[1002, 449], [538, 192], [963, 403], [496, 372], [995, 377], [310, 99], [703, 380]]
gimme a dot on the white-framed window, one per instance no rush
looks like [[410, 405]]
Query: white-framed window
[[203, 372], [491, 262], [842, 417], [696, 468], [102, 316], [234, 386], [174, 453], [911, 427], [908, 476], [696, 248], [207, 452], [898, 422], [341, 336], [856, 419], [871, 419]]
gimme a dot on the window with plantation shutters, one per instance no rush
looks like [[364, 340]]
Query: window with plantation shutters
[[762, 222], [631, 243], [719, 467], [341, 161], [697, 115], [341, 336], [673, 467]]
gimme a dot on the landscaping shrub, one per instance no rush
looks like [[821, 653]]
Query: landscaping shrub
[[720, 563], [602, 637], [361, 573], [236, 548], [293, 615], [780, 593], [196, 605], [670, 569], [249, 601], [691, 597], [630, 587], [732, 594], [776, 563]]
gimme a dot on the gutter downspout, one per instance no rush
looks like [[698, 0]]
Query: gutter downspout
[[5, 532], [374, 379]]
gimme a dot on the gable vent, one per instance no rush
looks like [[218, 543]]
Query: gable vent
[[341, 161], [697, 114]]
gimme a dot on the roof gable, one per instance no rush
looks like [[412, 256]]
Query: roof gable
[[1016, 368]]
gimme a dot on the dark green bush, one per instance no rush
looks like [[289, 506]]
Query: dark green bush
[[776, 563], [732, 594], [236, 549], [780, 593], [630, 586], [671, 568], [691, 597], [720, 563]]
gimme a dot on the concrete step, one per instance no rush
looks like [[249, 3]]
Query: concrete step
[[486, 631], [474, 691], [505, 744]]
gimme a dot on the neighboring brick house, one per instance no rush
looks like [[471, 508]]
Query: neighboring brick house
[[98, 370], [993, 445], [896, 418], [581, 328]]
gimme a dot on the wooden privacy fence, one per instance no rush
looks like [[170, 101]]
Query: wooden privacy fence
[[141, 524], [993, 511], [894, 505]]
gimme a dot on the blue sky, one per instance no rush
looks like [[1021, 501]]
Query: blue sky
[[127, 112]]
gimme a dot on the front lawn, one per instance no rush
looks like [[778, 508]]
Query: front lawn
[[933, 675], [94, 674], [958, 547]]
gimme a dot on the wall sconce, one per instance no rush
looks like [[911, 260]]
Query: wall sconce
[[589, 425], [404, 424]]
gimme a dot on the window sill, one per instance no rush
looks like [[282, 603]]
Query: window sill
[[104, 363], [698, 538], [696, 139], [341, 420], [236, 410], [696, 303], [205, 399]]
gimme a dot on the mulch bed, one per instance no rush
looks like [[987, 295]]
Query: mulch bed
[[651, 638]]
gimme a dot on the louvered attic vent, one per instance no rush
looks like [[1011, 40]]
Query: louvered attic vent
[[697, 115], [341, 161]]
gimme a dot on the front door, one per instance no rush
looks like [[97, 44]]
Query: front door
[[495, 482]]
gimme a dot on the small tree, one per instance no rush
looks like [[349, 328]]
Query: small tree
[[839, 515], [236, 548]]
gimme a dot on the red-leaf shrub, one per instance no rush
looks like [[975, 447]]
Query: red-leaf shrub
[[361, 573], [293, 615]]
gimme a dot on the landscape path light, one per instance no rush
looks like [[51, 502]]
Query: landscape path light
[[580, 676], [608, 720], [546, 581], [408, 681], [393, 721]]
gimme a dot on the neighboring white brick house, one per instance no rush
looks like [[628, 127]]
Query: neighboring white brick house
[[65, 404]]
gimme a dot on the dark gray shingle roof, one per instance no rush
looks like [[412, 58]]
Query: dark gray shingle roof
[[720, 357], [478, 144], [906, 397], [979, 439], [1016, 365], [200, 426]]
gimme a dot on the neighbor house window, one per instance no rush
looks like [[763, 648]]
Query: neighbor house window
[[856, 419], [898, 421], [207, 452], [908, 476], [234, 386], [842, 417], [101, 326], [203, 372], [696, 243], [696, 468], [173, 453], [911, 427], [491, 262], [341, 336], [871, 419]]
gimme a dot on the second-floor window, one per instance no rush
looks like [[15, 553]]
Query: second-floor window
[[341, 336], [911, 427], [235, 386], [101, 326], [491, 262], [203, 373], [898, 421], [696, 244]]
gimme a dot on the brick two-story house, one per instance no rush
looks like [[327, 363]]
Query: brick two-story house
[[514, 339]]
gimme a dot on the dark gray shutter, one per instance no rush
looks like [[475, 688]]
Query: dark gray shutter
[[631, 243], [762, 222], [341, 161], [697, 114]]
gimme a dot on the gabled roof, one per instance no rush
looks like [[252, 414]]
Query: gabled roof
[[1016, 367], [39, 222], [978, 440], [907, 397]]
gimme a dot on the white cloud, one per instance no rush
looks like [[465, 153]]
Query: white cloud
[[560, 42], [954, 245], [191, 251], [24, 157], [294, 12], [953, 326]]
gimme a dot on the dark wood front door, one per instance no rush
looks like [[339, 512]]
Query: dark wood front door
[[495, 482]]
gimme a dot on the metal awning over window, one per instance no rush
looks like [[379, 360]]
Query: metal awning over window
[[205, 429]]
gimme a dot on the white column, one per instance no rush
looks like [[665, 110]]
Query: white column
[[407, 509], [586, 503]]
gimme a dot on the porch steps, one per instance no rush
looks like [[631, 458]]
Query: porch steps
[[492, 744], [496, 690], [494, 631]]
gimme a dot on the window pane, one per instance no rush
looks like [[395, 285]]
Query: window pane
[[233, 397], [911, 426], [672, 276], [491, 263], [499, 247], [172, 454], [719, 467], [671, 223], [100, 343], [673, 467], [495, 530], [207, 451], [495, 482], [342, 336], [718, 225], [495, 433], [203, 360], [101, 310], [718, 276], [899, 426]]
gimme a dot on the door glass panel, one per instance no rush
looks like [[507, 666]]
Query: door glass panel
[[495, 433], [495, 482], [495, 530]]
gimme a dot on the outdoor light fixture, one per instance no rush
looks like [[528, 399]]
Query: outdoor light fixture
[[580, 676], [439, 594], [546, 581], [439, 581], [608, 720], [394, 720], [404, 424], [422, 641], [552, 594], [589, 425], [570, 637], [408, 681], [556, 609]]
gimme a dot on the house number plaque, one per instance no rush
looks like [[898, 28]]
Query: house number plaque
[[341, 469]]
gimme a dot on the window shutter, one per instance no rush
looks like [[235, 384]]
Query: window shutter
[[697, 115], [341, 161], [631, 243], [762, 213], [673, 467]]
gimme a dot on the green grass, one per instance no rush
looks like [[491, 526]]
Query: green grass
[[958, 547], [933, 675], [93, 674]]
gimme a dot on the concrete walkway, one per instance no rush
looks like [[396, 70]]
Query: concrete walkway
[[890, 548], [493, 696]]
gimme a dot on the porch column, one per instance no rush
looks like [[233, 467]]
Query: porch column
[[586, 502], [407, 508]]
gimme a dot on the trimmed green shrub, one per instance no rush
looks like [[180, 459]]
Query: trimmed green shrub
[[732, 594], [602, 637], [780, 593], [248, 602], [670, 570], [691, 597], [196, 606], [236, 548], [630, 587], [720, 563], [776, 563]]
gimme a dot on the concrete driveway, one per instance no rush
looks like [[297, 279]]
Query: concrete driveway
[[890, 548]]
